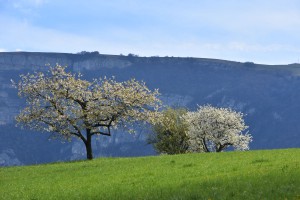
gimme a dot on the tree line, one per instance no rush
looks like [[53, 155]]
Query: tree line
[[67, 106], [208, 129]]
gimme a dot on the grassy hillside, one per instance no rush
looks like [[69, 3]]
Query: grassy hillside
[[269, 174]]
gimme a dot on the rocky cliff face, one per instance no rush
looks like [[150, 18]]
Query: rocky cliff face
[[267, 94]]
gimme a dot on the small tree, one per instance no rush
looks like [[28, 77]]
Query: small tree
[[170, 132], [215, 129], [67, 106]]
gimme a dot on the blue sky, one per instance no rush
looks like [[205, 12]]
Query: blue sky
[[261, 31]]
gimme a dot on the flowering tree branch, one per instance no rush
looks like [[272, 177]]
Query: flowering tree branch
[[215, 129], [61, 102]]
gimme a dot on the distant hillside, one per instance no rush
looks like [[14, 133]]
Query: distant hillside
[[267, 94]]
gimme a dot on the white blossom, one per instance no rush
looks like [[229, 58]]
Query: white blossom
[[61, 102], [214, 129]]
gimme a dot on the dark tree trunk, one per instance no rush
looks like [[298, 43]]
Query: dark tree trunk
[[205, 145], [222, 147], [88, 145], [219, 149]]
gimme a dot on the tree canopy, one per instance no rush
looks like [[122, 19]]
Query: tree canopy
[[215, 129], [62, 103], [170, 132]]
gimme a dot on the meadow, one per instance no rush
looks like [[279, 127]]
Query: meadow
[[259, 174]]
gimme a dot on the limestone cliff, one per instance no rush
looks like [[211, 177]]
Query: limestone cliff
[[267, 94]]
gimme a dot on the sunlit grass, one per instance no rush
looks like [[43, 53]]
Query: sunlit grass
[[271, 174]]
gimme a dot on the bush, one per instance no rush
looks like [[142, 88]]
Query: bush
[[170, 133]]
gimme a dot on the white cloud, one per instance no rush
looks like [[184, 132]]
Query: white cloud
[[28, 3], [39, 2], [22, 35], [25, 7], [256, 31], [25, 36]]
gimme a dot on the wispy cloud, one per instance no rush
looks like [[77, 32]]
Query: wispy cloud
[[21, 35], [27, 3], [259, 31]]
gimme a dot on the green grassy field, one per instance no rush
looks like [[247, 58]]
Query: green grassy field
[[269, 174]]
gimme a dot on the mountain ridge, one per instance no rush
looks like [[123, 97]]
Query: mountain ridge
[[266, 93]]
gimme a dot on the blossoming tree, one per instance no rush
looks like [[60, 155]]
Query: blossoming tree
[[67, 106], [215, 129]]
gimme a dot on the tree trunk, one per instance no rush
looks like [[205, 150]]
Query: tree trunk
[[219, 149], [204, 145], [88, 145]]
